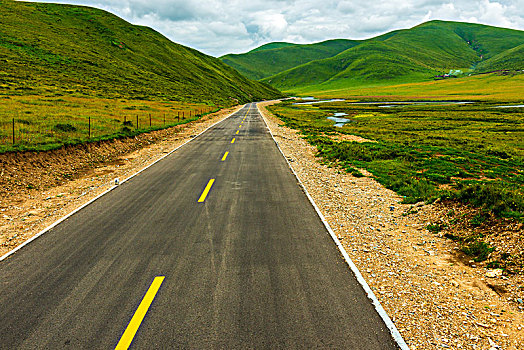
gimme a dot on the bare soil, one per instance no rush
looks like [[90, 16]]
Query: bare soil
[[436, 296]]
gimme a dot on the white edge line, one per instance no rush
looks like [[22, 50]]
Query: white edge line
[[6, 255], [380, 310]]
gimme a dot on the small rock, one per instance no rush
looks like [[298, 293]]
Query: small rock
[[492, 344], [494, 273], [520, 301]]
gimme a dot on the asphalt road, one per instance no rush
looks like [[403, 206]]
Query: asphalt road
[[250, 265]]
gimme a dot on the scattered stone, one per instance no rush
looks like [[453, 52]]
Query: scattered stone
[[494, 273]]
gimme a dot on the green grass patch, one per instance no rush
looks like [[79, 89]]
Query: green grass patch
[[478, 250]]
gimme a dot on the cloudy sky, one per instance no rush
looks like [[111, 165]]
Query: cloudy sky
[[217, 27]]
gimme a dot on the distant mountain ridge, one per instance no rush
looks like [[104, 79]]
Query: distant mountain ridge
[[270, 59], [408, 55], [66, 49]]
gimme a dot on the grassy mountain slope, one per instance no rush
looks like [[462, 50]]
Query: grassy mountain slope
[[273, 45], [510, 59], [64, 49], [416, 54], [263, 63]]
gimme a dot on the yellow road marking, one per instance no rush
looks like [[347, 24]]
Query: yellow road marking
[[237, 132], [206, 191], [239, 126], [139, 315], [233, 141], [225, 156]]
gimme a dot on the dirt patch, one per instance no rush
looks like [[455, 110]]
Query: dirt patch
[[348, 137], [434, 295], [37, 188]]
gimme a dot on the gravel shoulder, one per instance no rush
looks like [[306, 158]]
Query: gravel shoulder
[[38, 188], [434, 298]]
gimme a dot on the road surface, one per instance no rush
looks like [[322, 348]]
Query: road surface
[[205, 249]]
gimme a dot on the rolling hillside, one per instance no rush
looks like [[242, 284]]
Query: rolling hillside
[[64, 49], [510, 59], [271, 59], [402, 56], [269, 46]]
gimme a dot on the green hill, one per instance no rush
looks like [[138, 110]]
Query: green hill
[[510, 59], [409, 55], [267, 60], [273, 45], [65, 49]]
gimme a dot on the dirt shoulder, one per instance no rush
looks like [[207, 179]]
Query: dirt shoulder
[[435, 300], [38, 188]]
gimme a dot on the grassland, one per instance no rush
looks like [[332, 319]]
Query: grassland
[[43, 123], [473, 154], [494, 87]]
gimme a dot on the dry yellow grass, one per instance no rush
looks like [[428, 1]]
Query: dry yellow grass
[[44, 122], [485, 87]]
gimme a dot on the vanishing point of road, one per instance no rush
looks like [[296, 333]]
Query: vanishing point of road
[[216, 246]]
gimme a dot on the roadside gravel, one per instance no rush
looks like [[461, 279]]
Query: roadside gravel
[[434, 299]]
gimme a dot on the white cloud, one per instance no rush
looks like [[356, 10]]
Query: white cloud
[[218, 27]]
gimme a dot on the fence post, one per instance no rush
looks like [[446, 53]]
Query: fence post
[[13, 131], [89, 132], [137, 121], [149, 119]]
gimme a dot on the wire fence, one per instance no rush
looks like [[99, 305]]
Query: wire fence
[[20, 133]]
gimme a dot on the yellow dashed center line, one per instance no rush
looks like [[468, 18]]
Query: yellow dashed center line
[[225, 156], [139, 315], [240, 126], [206, 191], [233, 141], [237, 132]]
